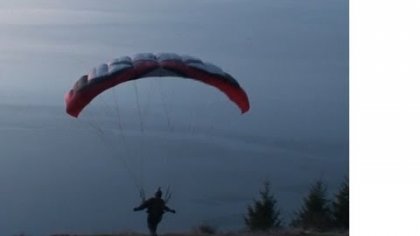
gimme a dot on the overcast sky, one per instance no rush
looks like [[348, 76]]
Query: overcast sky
[[291, 56]]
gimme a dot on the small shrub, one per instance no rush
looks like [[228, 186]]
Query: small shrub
[[205, 229]]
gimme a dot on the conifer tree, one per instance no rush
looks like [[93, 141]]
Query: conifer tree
[[315, 212], [340, 206], [263, 214]]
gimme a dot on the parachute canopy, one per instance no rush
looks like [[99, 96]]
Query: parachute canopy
[[146, 65]]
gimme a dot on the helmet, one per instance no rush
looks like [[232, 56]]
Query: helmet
[[158, 193]]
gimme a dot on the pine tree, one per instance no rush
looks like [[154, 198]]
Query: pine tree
[[340, 207], [263, 215], [315, 212]]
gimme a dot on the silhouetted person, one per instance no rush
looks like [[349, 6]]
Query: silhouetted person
[[156, 207]]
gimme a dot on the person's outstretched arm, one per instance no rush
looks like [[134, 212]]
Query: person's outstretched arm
[[170, 210], [142, 206]]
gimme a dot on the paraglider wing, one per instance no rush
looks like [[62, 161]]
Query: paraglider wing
[[145, 65]]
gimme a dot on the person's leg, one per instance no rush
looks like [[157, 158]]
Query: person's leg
[[152, 225]]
